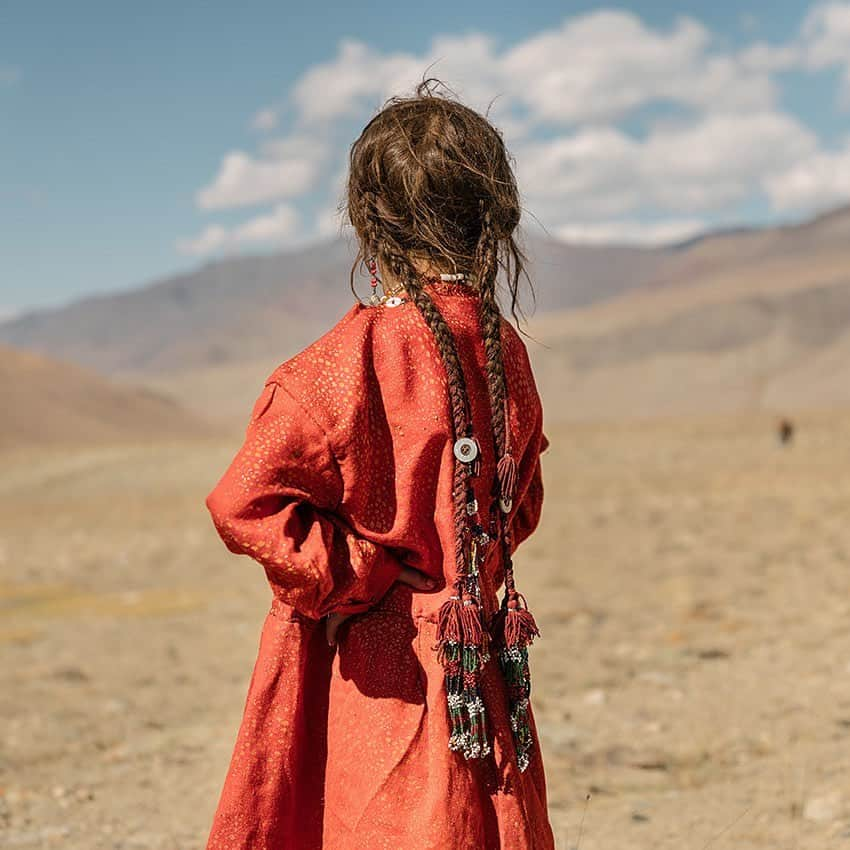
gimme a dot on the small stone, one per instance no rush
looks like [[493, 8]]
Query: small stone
[[71, 674], [51, 833], [824, 808]]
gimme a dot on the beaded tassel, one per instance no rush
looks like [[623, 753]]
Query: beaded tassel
[[463, 641], [515, 629], [513, 626], [476, 641], [449, 655]]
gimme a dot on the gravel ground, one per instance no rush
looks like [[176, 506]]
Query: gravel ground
[[692, 684]]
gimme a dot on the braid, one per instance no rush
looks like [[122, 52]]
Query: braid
[[458, 401], [457, 395], [486, 262], [462, 638], [514, 624]]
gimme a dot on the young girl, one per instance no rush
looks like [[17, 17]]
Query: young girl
[[388, 473]]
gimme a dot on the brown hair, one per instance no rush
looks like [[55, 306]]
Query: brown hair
[[431, 179]]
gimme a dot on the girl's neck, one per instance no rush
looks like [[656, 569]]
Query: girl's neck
[[431, 275]]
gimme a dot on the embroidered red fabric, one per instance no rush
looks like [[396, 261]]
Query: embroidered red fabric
[[344, 475]]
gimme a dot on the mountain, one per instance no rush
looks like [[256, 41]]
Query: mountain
[[48, 402], [730, 320], [746, 320], [245, 309]]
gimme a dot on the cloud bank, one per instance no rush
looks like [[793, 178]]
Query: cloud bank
[[619, 130]]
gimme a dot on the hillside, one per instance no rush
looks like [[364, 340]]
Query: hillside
[[253, 308], [48, 402], [743, 319], [756, 320]]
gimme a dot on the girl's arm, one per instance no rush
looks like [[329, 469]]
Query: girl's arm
[[527, 515], [276, 503]]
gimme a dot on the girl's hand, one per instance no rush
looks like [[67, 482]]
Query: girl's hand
[[416, 579]]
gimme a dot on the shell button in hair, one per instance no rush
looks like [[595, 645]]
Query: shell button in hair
[[466, 449], [393, 301]]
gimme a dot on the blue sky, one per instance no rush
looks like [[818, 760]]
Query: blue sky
[[139, 140]]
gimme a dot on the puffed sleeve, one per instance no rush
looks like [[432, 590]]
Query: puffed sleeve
[[276, 503], [527, 515]]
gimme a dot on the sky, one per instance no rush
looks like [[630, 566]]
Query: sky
[[141, 140]]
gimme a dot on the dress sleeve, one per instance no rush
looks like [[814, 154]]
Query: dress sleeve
[[527, 516], [276, 502]]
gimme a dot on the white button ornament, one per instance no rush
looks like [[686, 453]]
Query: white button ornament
[[466, 449], [393, 301]]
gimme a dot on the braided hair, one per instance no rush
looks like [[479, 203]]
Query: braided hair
[[430, 179]]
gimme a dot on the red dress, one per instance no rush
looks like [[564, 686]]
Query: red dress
[[345, 473]]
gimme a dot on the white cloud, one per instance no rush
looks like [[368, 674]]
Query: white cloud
[[814, 182], [826, 34], [244, 180], [633, 231], [279, 227], [599, 172], [823, 42], [826, 40], [601, 66], [360, 77], [770, 57], [561, 98], [594, 67]]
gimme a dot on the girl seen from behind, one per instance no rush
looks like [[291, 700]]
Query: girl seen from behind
[[388, 473]]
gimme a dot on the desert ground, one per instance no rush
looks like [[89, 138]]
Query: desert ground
[[691, 685]]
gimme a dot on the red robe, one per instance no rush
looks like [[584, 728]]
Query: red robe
[[344, 475]]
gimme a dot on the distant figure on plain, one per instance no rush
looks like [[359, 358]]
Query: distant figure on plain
[[785, 431]]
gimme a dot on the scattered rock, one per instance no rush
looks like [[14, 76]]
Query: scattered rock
[[595, 697], [71, 674], [711, 653], [823, 808]]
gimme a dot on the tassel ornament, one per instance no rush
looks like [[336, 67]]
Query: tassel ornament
[[506, 472], [463, 650], [514, 630]]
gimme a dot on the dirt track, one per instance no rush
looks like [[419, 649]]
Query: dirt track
[[693, 676]]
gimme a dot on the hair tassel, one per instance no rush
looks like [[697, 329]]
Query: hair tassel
[[506, 472], [514, 631], [449, 653]]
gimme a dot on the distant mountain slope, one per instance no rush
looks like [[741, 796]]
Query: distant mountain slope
[[763, 322], [250, 308], [47, 402], [731, 320]]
